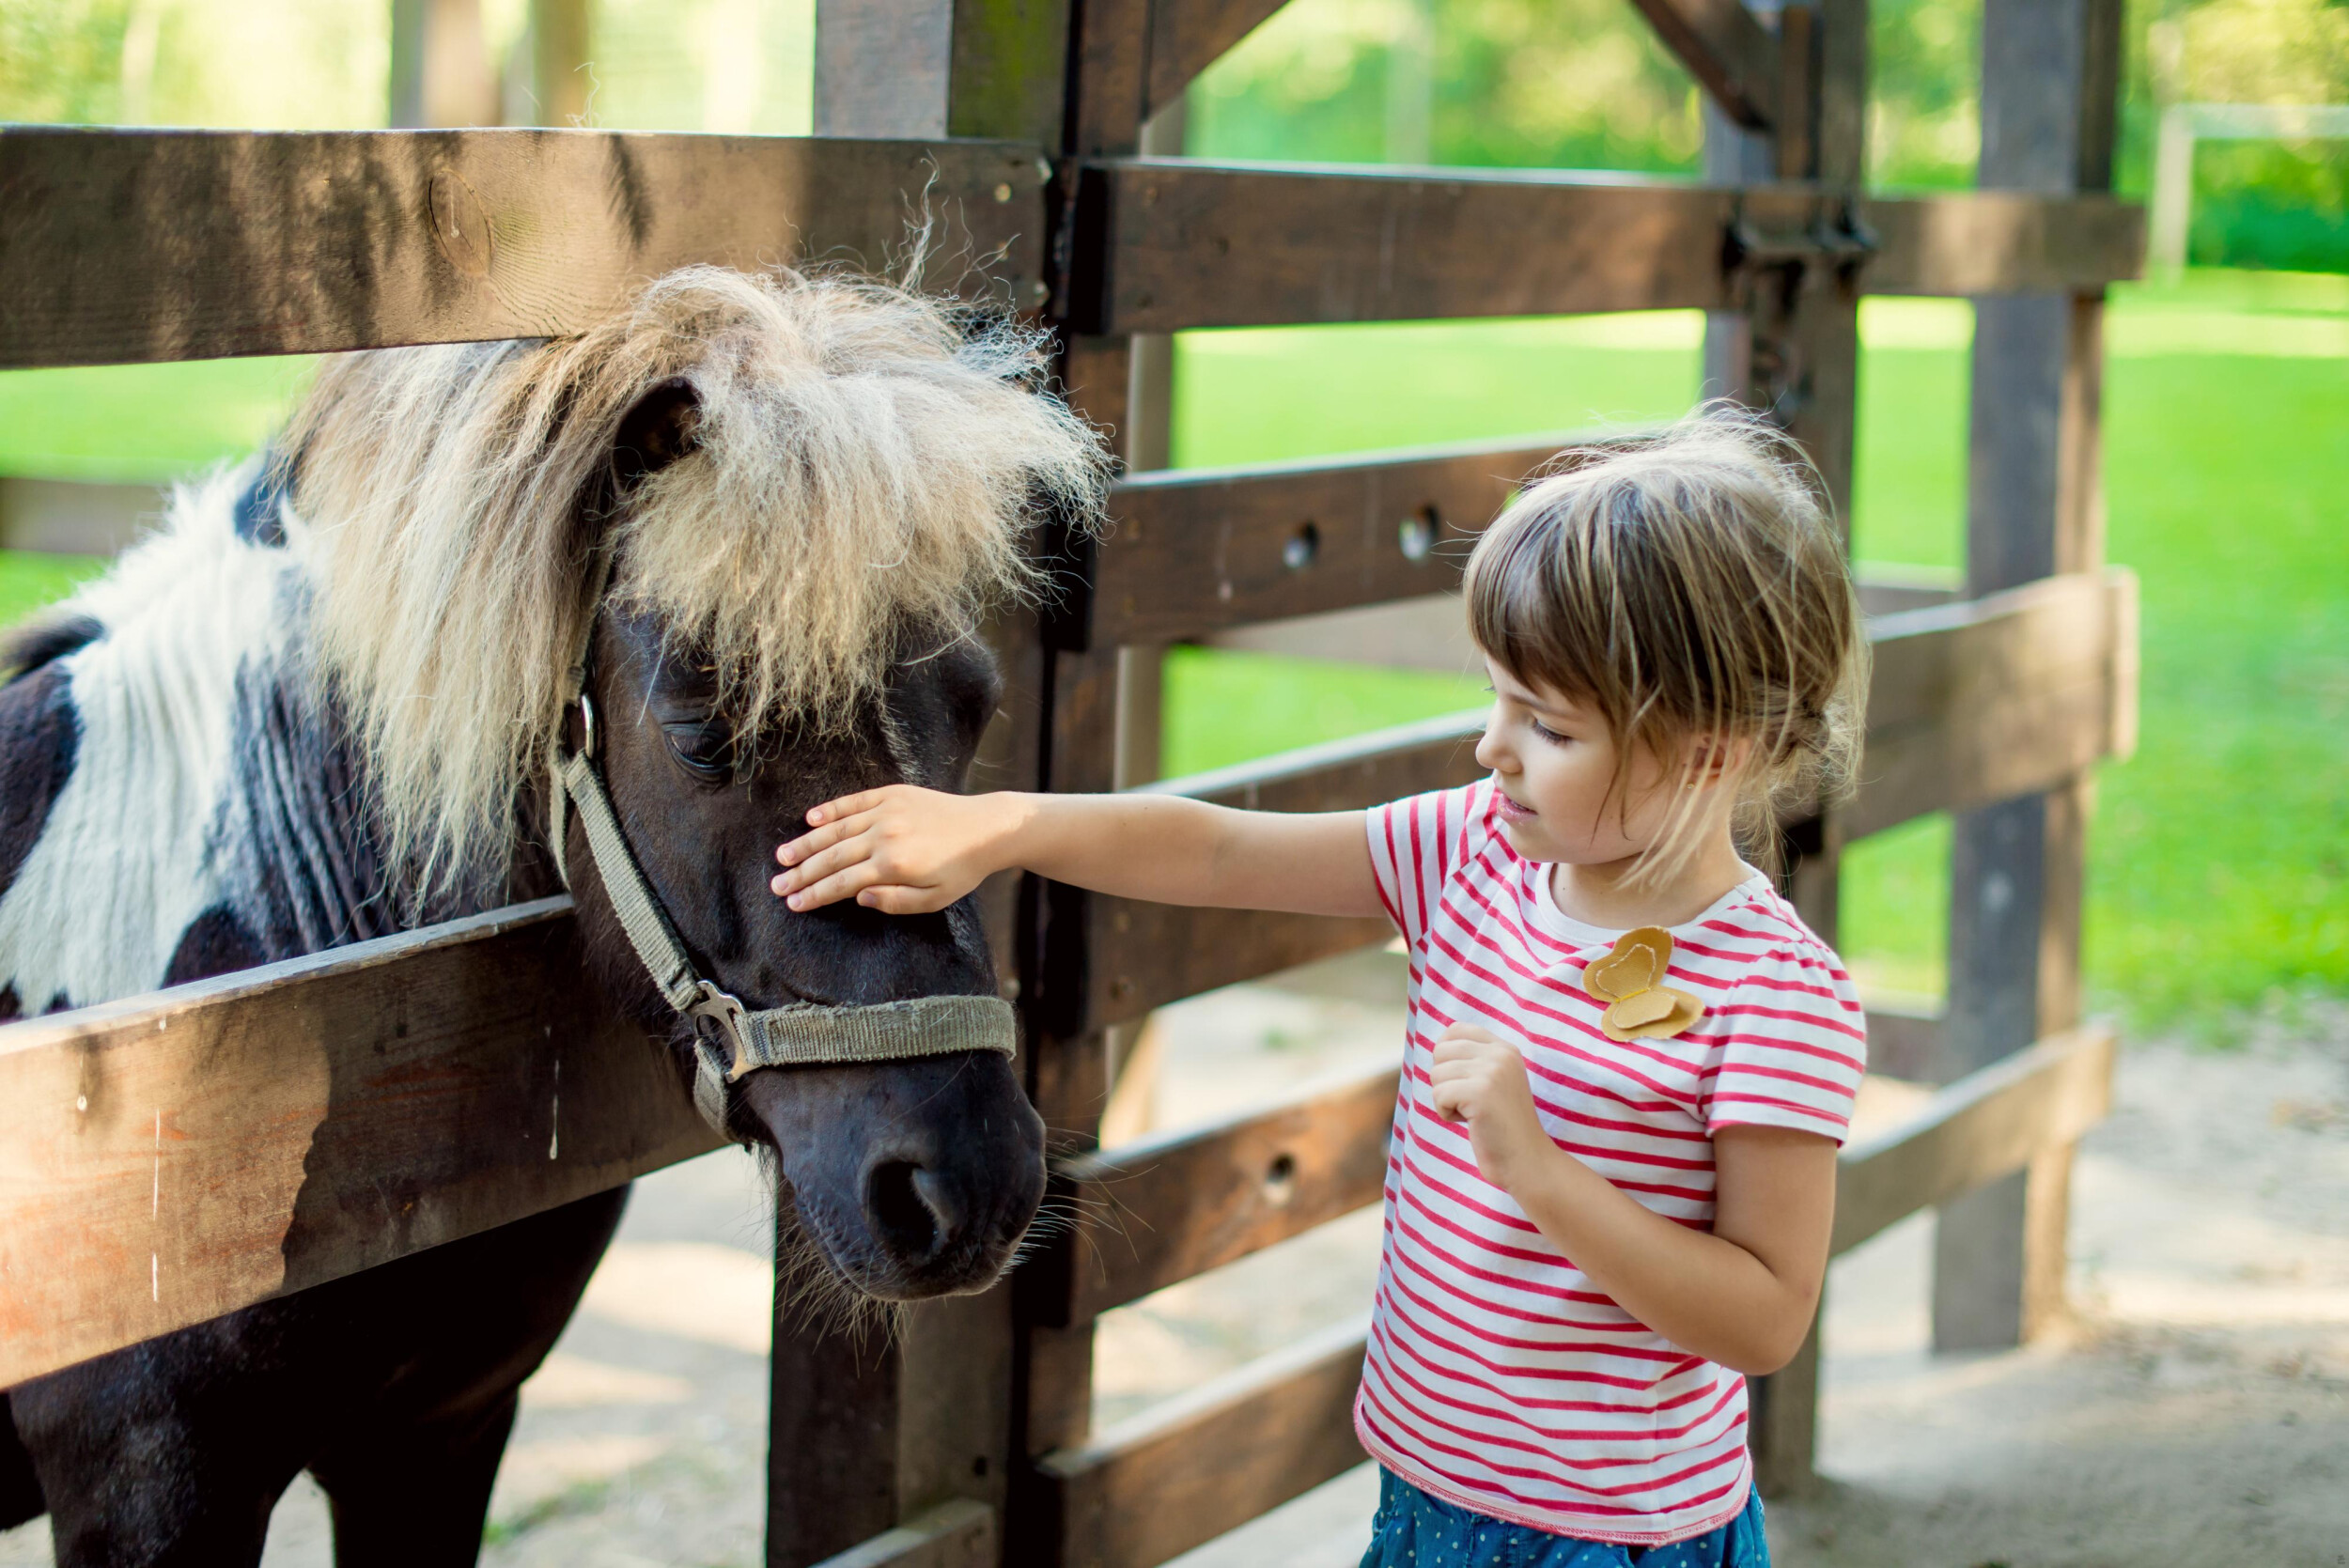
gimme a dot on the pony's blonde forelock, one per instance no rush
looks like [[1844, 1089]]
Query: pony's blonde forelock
[[866, 460]]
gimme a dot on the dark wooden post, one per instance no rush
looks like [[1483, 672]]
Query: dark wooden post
[[2034, 507], [1794, 347], [866, 1436], [1113, 385]]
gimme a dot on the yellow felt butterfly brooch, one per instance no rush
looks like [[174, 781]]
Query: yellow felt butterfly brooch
[[1630, 980]]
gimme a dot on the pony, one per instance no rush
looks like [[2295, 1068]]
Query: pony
[[757, 521]]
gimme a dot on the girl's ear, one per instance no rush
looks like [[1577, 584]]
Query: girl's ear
[[1715, 757]]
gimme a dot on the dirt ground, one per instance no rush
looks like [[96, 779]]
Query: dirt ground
[[2194, 1412]]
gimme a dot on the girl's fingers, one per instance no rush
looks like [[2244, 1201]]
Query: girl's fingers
[[814, 869], [831, 833], [839, 885], [848, 805]]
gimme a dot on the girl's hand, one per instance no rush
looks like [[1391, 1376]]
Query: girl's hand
[[1478, 1080], [900, 849]]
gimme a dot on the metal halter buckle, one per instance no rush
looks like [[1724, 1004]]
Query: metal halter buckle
[[726, 1012]]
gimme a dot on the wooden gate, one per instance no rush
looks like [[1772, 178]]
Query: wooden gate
[[269, 1130]]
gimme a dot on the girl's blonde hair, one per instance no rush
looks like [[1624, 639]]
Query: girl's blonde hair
[[1687, 584]]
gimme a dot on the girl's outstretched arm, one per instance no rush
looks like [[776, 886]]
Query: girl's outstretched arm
[[910, 851]]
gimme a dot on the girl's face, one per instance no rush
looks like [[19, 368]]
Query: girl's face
[[1555, 764]]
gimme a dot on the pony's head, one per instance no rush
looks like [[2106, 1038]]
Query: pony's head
[[809, 489]]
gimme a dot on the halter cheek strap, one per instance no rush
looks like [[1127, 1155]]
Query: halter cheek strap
[[729, 1038]]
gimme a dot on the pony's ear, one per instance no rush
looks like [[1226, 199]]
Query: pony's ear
[[664, 425]]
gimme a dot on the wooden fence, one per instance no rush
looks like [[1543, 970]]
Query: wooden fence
[[329, 1114]]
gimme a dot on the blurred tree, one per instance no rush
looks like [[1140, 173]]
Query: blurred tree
[[2272, 204]]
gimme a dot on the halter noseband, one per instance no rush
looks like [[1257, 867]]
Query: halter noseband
[[730, 1039]]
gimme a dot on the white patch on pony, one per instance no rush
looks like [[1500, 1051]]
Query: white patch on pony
[[124, 865]]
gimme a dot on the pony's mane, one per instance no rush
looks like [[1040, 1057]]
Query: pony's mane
[[867, 459]]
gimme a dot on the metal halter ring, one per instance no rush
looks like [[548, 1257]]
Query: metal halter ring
[[587, 726], [725, 1011]]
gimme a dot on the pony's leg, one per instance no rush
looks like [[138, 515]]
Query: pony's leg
[[416, 1498], [143, 1465]]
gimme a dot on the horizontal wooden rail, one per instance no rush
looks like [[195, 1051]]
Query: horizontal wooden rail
[[1986, 699], [173, 1157], [1197, 551], [1200, 553], [1187, 244], [1159, 1211], [1185, 1471], [135, 246], [958, 1534], [1988, 1125], [2002, 242]]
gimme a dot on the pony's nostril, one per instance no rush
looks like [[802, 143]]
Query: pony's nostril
[[902, 1201]]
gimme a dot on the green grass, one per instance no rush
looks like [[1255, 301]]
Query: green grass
[[29, 581], [2220, 862], [142, 423]]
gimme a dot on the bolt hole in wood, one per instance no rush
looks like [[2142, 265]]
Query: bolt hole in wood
[[1280, 1179], [1302, 546], [1416, 534]]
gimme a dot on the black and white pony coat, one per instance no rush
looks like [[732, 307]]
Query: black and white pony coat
[[178, 799], [184, 804]]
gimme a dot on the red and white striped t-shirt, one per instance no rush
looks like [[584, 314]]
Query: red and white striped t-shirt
[[1499, 1376]]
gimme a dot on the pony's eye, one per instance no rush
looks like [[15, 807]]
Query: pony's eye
[[705, 747]]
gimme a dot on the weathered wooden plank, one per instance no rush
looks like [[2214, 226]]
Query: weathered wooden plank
[[1196, 551], [1185, 1471], [1158, 1211], [1191, 243], [172, 1157], [1988, 1125], [1730, 53], [1189, 35], [2018, 868], [1195, 245], [1995, 697], [2002, 242], [960, 1534], [132, 245]]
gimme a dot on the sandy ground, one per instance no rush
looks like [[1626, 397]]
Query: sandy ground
[[2195, 1411]]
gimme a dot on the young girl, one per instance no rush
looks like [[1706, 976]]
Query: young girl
[[1628, 1062]]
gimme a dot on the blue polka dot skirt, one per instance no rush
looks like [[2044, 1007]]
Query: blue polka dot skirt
[[1416, 1530]]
